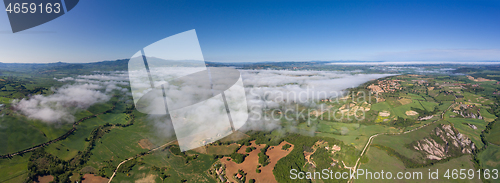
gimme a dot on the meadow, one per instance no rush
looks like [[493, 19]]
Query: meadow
[[494, 135], [14, 170], [490, 158], [399, 142], [358, 136], [221, 149], [175, 167], [474, 134], [379, 160], [18, 133]]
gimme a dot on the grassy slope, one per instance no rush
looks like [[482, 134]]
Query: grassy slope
[[494, 135], [194, 171], [18, 134], [490, 158], [15, 169], [363, 132], [379, 160], [122, 143], [474, 135], [398, 142], [222, 149]]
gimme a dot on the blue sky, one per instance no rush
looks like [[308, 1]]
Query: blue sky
[[271, 30]]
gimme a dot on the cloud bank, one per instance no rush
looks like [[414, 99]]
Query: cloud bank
[[282, 89], [61, 106], [265, 89], [80, 93]]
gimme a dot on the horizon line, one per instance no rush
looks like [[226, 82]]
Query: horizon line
[[325, 61]]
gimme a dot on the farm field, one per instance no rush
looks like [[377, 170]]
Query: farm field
[[490, 158], [398, 142], [251, 162], [119, 144], [379, 160], [357, 136], [494, 135], [172, 165], [461, 125], [222, 149], [15, 169]]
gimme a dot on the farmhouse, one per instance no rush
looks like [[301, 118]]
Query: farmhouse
[[220, 171], [222, 179], [336, 148]]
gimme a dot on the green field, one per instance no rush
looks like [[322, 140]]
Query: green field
[[398, 142], [18, 134], [488, 117], [422, 123], [381, 107], [4, 100], [429, 106], [444, 105], [221, 149], [379, 160], [414, 96], [194, 171], [474, 135], [14, 170], [51, 130], [336, 127], [490, 158], [122, 143], [494, 135], [358, 136], [401, 110], [68, 148]]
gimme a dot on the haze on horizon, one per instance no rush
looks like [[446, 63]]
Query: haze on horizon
[[259, 31]]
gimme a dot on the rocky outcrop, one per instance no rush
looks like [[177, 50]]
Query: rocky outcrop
[[472, 126], [469, 111], [444, 141]]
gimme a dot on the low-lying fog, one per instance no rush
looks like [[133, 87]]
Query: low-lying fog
[[263, 88]]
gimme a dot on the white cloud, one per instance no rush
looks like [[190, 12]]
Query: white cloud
[[61, 106], [65, 79], [282, 89]]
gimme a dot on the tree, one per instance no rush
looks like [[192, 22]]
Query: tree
[[249, 149], [286, 146], [237, 157]]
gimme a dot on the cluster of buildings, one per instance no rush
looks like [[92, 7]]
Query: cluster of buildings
[[334, 148], [220, 174], [385, 86]]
